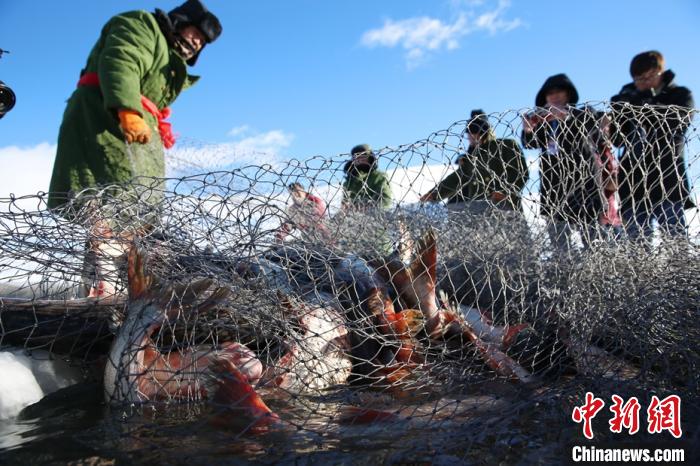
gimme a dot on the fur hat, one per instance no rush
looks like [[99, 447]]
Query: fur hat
[[192, 13]]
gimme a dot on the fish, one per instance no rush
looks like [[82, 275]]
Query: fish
[[416, 287], [105, 248], [330, 332], [384, 352], [319, 357], [267, 274], [371, 297], [137, 371], [236, 401], [497, 360]]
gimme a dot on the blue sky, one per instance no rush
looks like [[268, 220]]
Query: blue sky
[[301, 78]]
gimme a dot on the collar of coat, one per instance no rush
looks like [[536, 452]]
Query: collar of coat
[[667, 81], [190, 80]]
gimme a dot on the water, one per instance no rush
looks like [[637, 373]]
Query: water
[[500, 425], [73, 424]]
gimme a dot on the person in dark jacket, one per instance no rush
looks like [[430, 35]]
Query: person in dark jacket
[[493, 170], [653, 177], [569, 194], [365, 186], [135, 70]]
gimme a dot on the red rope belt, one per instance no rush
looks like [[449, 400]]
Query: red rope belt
[[165, 129]]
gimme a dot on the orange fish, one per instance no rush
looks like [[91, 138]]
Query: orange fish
[[416, 286], [137, 371]]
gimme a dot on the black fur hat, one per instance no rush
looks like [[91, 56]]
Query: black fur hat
[[193, 12]]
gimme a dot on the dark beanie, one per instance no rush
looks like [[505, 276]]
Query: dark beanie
[[478, 123]]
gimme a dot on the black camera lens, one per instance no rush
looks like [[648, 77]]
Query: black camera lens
[[7, 99]]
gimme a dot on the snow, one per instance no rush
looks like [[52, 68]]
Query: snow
[[27, 379]]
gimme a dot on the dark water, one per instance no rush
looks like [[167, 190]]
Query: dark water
[[74, 426]]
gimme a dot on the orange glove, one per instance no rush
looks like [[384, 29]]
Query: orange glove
[[134, 127]]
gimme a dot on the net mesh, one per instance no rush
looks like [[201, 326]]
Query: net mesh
[[465, 320]]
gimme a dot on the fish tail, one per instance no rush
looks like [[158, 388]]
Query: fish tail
[[139, 281], [235, 394], [425, 264], [423, 270]]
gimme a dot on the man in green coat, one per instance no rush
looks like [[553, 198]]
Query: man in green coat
[[365, 186], [113, 127], [362, 226], [494, 170]]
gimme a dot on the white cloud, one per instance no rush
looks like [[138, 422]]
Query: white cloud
[[417, 36], [420, 35], [494, 22], [239, 130], [250, 148], [26, 170], [271, 142]]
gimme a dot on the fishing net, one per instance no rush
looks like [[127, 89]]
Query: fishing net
[[455, 325]]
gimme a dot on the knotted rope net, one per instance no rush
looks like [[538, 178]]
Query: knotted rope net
[[463, 322]]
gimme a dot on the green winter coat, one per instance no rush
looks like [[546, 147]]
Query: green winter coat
[[497, 165], [132, 58], [366, 189]]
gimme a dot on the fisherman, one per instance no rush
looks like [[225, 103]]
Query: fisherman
[[650, 118], [493, 171], [306, 213], [366, 198], [114, 126], [365, 186]]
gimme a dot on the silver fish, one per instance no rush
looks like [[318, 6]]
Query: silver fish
[[319, 358]]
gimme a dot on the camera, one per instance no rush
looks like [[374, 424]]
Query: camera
[[541, 112], [7, 99]]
